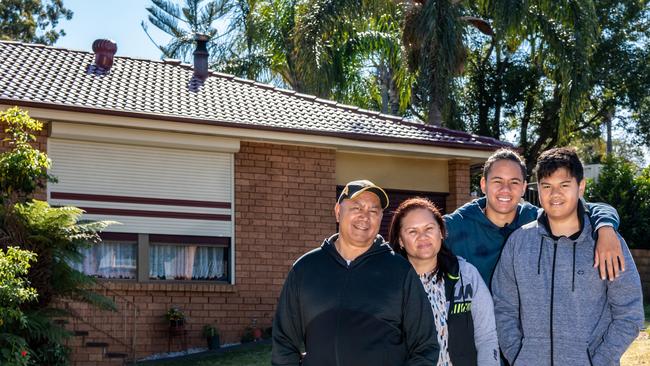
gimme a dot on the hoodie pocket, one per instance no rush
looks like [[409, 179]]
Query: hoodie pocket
[[533, 350]]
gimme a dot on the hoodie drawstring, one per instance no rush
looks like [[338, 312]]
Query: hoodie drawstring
[[539, 259], [573, 279]]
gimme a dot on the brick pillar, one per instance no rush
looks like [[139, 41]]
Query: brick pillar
[[458, 184]]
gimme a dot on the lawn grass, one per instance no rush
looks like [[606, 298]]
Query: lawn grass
[[249, 355], [260, 354]]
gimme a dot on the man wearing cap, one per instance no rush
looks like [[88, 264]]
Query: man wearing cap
[[352, 301]]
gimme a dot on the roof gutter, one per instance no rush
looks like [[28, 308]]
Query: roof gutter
[[239, 125]]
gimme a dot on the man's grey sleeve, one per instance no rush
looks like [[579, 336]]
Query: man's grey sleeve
[[485, 332], [626, 303], [287, 326], [506, 303], [417, 321]]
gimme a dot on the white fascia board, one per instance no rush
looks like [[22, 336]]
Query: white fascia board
[[250, 134], [141, 137]]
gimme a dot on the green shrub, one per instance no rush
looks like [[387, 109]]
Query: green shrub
[[55, 236], [622, 185], [14, 291]]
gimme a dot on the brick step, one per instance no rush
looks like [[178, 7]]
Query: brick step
[[97, 344], [116, 355]]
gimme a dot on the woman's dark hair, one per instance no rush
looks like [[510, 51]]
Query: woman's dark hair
[[396, 226]]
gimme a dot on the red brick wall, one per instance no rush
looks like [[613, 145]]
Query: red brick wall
[[284, 199], [642, 261], [458, 184]]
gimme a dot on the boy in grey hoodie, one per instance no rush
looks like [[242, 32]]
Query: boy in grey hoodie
[[550, 305]]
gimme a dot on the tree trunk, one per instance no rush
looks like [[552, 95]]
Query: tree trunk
[[435, 113], [498, 98], [608, 123]]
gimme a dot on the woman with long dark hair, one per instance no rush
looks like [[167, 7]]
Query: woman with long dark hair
[[461, 303]]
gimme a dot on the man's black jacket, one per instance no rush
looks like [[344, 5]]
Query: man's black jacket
[[372, 312]]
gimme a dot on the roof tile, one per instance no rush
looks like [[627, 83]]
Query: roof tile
[[57, 77]]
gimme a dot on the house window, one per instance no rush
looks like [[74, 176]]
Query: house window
[[186, 258], [110, 259], [176, 204]]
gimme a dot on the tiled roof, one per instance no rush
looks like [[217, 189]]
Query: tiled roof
[[37, 75]]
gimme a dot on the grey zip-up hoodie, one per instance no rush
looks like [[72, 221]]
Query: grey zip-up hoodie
[[551, 307]]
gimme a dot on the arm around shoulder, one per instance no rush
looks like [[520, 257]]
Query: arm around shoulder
[[602, 214]]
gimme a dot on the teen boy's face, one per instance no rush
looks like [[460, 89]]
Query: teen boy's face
[[559, 194], [504, 186]]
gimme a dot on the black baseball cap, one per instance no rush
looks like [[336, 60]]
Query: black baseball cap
[[357, 187]]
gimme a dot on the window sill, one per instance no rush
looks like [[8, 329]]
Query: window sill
[[187, 286]]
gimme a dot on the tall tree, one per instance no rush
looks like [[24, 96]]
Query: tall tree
[[433, 36], [182, 23], [348, 48], [32, 20], [520, 81]]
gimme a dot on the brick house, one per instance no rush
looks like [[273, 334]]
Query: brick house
[[219, 183]]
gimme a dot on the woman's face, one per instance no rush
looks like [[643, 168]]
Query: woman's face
[[420, 235]]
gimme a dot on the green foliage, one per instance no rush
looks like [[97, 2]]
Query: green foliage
[[54, 236], [14, 291], [553, 73], [621, 185], [23, 168], [32, 21], [57, 235], [174, 314]]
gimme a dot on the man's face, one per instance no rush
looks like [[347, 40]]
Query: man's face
[[359, 219], [504, 186], [559, 194]]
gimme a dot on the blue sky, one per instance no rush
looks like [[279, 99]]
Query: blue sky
[[118, 20]]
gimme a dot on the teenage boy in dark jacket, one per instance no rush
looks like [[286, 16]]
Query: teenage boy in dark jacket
[[478, 230], [551, 308], [353, 302]]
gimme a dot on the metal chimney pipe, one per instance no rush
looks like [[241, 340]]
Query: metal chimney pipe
[[201, 56]]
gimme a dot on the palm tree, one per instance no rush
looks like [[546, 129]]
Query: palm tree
[[351, 49]]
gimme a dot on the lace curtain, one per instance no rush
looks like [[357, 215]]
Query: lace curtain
[[109, 260], [186, 262]]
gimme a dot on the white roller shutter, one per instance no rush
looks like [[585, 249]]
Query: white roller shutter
[[148, 189]]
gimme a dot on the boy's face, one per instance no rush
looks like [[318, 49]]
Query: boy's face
[[559, 194], [504, 186]]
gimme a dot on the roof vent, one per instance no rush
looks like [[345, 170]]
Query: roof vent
[[104, 51], [201, 56]]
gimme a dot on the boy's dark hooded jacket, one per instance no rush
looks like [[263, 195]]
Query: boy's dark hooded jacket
[[371, 312]]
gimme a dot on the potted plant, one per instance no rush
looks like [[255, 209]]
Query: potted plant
[[211, 334], [176, 317]]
